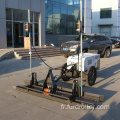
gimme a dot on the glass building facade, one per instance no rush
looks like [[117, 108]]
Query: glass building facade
[[61, 16]]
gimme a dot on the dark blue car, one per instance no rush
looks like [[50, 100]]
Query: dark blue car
[[100, 43]]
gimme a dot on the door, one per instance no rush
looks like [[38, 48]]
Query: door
[[36, 30], [98, 43], [21, 35], [102, 43], [94, 44], [18, 34], [105, 30]]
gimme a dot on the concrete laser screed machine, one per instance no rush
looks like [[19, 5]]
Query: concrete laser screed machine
[[71, 69]]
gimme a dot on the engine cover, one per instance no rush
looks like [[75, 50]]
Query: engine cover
[[88, 60]]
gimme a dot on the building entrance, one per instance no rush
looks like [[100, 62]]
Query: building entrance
[[15, 27]]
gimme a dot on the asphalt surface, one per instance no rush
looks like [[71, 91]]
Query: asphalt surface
[[16, 105]]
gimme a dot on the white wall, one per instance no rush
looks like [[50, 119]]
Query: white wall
[[96, 6], [87, 16], [118, 21]]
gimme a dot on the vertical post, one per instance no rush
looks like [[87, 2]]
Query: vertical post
[[33, 31], [30, 42], [81, 43], [12, 30]]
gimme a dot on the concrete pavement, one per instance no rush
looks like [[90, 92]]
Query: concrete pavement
[[15, 105]]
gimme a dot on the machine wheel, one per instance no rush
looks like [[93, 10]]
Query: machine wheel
[[91, 76], [107, 53], [63, 70], [113, 46], [85, 51]]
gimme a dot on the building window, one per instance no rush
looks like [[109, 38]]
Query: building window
[[31, 16], [19, 15], [9, 33], [61, 16], [106, 13], [8, 14], [36, 17]]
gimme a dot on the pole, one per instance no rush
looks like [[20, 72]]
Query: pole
[[30, 42], [81, 44]]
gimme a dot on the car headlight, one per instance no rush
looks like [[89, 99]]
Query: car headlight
[[74, 46], [61, 45]]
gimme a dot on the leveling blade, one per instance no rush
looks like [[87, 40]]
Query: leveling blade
[[59, 94], [62, 96]]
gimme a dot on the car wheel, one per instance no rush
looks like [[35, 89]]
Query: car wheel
[[107, 53], [63, 70], [113, 46], [85, 51], [91, 76], [66, 56]]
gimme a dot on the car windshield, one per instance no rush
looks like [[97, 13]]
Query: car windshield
[[115, 39], [84, 38]]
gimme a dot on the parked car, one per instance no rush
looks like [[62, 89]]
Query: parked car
[[101, 43], [115, 43], [118, 38]]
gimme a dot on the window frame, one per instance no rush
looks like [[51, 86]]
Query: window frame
[[105, 13]]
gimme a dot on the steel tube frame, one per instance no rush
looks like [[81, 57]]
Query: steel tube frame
[[81, 44]]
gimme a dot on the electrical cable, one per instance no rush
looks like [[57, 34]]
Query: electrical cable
[[58, 68], [41, 58], [45, 62]]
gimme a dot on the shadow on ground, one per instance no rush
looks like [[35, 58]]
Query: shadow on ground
[[103, 73], [111, 114], [9, 66], [115, 53]]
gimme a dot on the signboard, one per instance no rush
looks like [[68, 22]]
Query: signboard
[[26, 43], [78, 26]]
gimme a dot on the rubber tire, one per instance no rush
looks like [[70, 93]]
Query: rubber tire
[[107, 53], [85, 51], [113, 46], [64, 68], [91, 76]]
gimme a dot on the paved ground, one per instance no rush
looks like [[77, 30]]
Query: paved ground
[[15, 105]]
